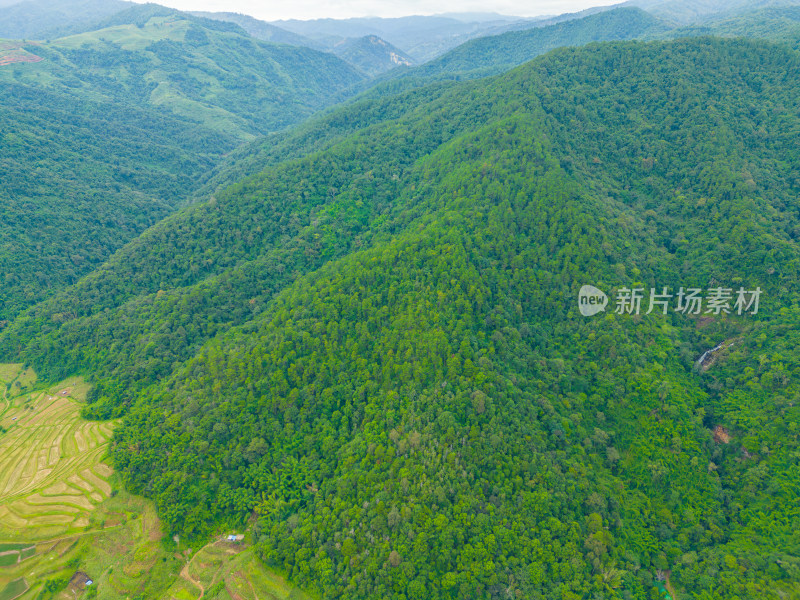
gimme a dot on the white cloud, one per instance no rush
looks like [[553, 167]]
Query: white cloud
[[341, 9]]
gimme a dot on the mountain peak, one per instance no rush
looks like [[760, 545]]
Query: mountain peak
[[371, 54]]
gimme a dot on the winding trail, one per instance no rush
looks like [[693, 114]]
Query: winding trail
[[188, 577], [252, 587]]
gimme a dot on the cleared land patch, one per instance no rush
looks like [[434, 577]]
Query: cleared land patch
[[14, 589], [51, 471], [230, 571], [12, 52]]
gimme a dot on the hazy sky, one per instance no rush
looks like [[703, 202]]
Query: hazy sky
[[308, 9]]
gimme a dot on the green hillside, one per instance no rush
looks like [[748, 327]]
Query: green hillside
[[498, 53], [261, 29], [79, 183], [780, 24], [375, 345], [105, 133], [201, 268], [209, 71], [696, 11], [370, 55]]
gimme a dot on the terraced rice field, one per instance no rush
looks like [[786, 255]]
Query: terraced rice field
[[58, 516], [230, 571], [51, 471]]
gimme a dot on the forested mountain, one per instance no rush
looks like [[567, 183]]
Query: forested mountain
[[262, 30], [494, 54], [375, 344], [549, 20], [106, 133], [40, 19], [695, 11], [421, 37], [210, 71], [76, 185], [505, 45], [487, 55], [178, 261], [780, 24], [371, 55]]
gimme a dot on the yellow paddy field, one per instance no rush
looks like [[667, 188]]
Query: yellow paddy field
[[52, 475]]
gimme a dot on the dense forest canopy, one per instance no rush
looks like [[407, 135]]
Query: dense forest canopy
[[78, 184], [498, 53], [107, 132], [375, 346], [354, 331]]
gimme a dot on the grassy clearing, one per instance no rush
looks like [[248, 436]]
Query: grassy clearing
[[14, 589], [15, 379], [130, 37], [9, 371], [228, 571]]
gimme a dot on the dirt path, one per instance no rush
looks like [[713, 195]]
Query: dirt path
[[188, 577], [252, 587], [27, 587]]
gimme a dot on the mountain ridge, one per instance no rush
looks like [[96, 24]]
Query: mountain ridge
[[494, 54], [406, 389], [371, 397]]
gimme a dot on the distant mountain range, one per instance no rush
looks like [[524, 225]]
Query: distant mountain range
[[497, 53], [374, 45], [41, 19], [263, 30], [684, 12], [369, 54], [421, 38]]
